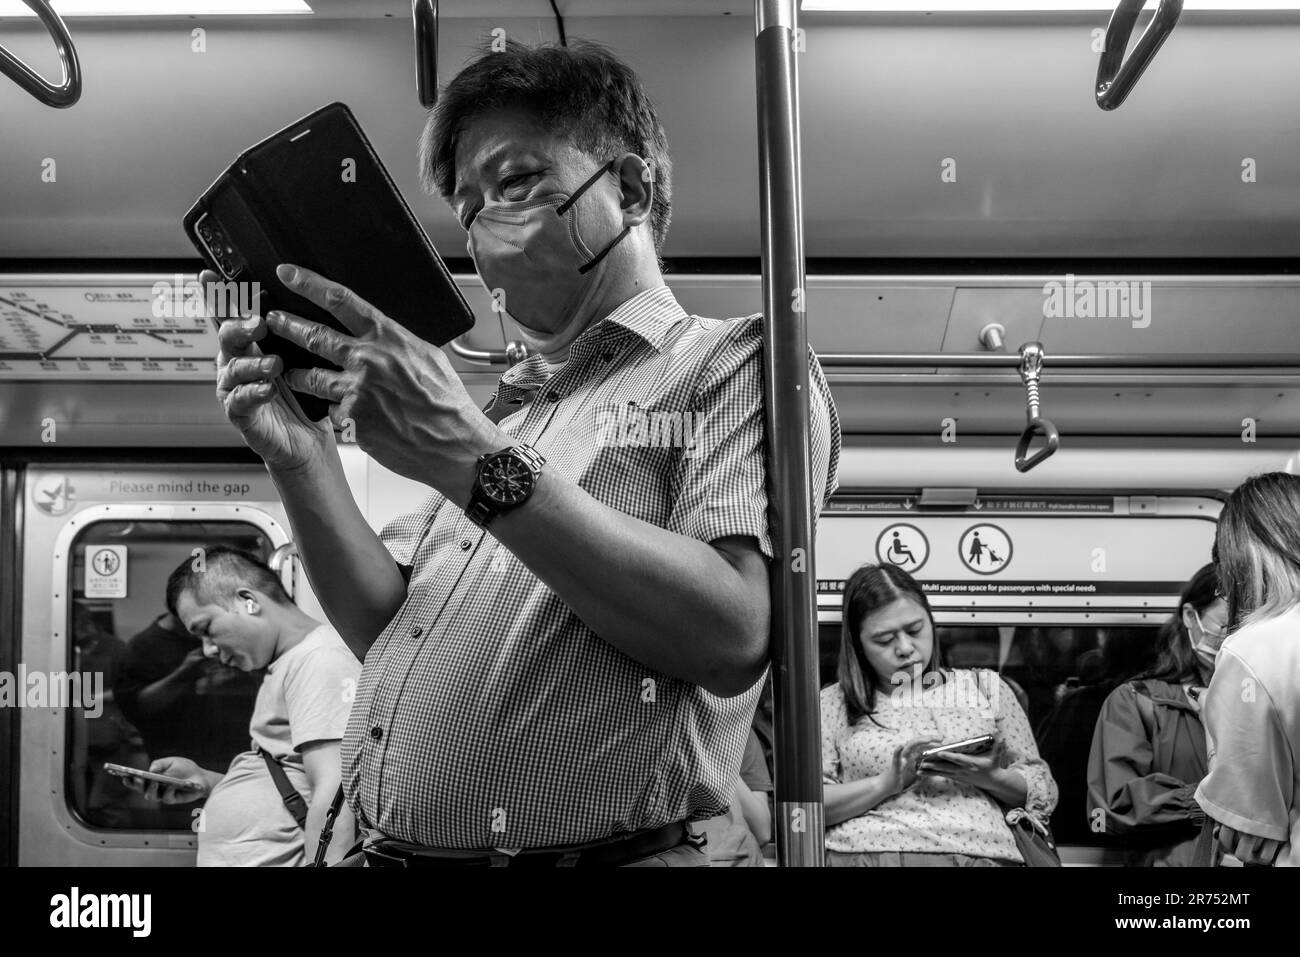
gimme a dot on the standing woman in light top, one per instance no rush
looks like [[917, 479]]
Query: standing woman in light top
[[1252, 707], [884, 805]]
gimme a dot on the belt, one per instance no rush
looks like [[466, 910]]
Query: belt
[[612, 853]]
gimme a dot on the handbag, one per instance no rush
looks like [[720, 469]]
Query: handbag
[[1033, 838]]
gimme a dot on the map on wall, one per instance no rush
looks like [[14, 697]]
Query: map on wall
[[72, 327]]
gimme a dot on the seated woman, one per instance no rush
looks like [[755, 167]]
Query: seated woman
[[1148, 749], [885, 805]]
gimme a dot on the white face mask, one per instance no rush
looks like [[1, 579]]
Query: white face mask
[[534, 252], [1208, 644]]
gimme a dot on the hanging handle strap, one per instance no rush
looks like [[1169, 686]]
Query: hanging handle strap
[[1031, 370], [1116, 76], [69, 91]]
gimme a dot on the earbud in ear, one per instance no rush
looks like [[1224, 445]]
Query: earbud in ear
[[251, 607]]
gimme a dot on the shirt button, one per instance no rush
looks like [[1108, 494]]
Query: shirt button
[[606, 357], [415, 632], [376, 732], [465, 544], [552, 396]]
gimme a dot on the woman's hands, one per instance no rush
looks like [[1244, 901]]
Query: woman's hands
[[904, 769], [977, 770], [983, 771]]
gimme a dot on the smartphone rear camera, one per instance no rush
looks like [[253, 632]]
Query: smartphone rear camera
[[218, 247]]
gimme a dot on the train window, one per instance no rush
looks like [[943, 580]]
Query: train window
[[1061, 675], [155, 695]]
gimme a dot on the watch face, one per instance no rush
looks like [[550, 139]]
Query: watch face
[[506, 479]]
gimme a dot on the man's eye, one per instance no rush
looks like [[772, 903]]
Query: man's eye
[[516, 181]]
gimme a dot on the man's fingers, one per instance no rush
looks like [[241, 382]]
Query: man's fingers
[[236, 336], [312, 336], [248, 369], [338, 300], [322, 383], [242, 400]]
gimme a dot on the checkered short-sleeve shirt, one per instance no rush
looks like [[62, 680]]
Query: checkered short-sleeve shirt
[[488, 714]]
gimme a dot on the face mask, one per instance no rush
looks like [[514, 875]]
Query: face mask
[[1207, 646], [534, 252]]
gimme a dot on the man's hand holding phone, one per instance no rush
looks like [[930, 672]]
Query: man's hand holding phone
[[409, 407], [201, 782], [269, 420]]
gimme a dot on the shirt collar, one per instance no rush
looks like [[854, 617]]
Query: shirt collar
[[649, 315]]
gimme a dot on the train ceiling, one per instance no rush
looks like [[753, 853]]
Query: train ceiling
[[1202, 161]]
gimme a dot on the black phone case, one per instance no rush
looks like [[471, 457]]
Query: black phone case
[[316, 195]]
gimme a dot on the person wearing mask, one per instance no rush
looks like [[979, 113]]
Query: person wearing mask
[[887, 804], [1148, 748], [1252, 707], [565, 642]]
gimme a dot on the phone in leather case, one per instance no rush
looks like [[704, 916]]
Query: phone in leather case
[[316, 195]]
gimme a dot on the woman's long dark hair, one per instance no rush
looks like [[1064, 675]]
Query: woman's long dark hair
[[871, 588], [1257, 548], [1176, 661]]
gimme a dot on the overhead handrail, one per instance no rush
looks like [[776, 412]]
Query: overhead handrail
[[513, 352], [1116, 76], [1159, 360], [69, 91], [424, 14], [1031, 371]]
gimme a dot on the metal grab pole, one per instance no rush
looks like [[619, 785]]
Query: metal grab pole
[[799, 810]]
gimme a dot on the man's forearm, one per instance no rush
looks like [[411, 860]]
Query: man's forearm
[[675, 604], [351, 572]]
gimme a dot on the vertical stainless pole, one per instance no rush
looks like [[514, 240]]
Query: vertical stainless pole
[[799, 812]]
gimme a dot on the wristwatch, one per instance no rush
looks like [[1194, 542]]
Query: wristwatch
[[505, 480]]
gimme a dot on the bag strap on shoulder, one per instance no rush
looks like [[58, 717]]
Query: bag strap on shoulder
[[293, 801]]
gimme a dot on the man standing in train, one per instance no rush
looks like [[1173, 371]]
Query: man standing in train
[[565, 643]]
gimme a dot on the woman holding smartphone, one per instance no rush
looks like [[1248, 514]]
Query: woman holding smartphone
[[887, 802], [1252, 707]]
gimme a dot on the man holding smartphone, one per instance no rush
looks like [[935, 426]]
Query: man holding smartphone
[[565, 643], [268, 807]]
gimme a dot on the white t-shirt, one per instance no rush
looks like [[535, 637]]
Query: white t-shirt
[[305, 697], [1252, 729]]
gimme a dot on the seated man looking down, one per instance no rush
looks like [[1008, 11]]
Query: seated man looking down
[[237, 607]]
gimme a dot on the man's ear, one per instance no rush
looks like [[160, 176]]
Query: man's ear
[[637, 181], [248, 598]]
